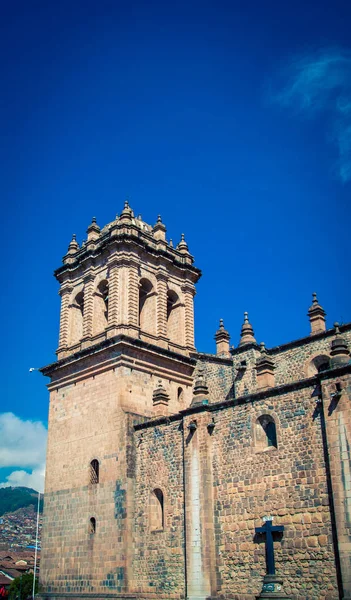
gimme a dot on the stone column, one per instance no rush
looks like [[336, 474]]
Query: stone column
[[200, 545], [133, 294], [161, 304], [189, 293], [113, 295], [88, 312], [337, 418], [64, 318], [264, 369]]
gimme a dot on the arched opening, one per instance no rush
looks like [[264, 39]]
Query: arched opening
[[180, 394], [147, 315], [77, 312], [174, 321], [100, 320], [156, 510], [317, 364], [94, 471], [266, 433], [92, 525]]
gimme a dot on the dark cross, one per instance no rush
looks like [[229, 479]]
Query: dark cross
[[269, 529]]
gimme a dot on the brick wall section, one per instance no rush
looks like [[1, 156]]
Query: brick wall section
[[292, 361], [86, 422], [158, 565], [218, 374], [288, 483], [337, 416]]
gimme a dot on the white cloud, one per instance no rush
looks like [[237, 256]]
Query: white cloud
[[320, 83], [34, 480], [22, 445]]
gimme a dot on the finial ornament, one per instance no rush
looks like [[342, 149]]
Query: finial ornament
[[316, 315], [159, 220], [339, 352], [73, 245], [171, 243], [247, 332], [263, 348], [183, 246], [222, 338]]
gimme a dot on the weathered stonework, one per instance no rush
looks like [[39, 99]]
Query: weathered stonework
[[162, 461]]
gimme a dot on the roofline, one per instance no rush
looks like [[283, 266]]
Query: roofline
[[294, 344], [250, 398]]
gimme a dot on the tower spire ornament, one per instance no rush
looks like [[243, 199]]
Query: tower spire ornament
[[316, 315], [247, 332]]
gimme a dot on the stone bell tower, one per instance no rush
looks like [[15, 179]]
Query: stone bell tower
[[126, 331]]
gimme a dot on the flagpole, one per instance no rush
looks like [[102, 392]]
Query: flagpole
[[36, 548]]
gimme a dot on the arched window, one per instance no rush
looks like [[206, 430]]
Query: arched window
[[92, 525], [100, 307], [94, 471], [174, 323], [147, 314], [317, 364], [77, 311], [266, 433], [156, 510], [180, 394]]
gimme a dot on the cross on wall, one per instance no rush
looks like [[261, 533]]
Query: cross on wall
[[268, 530]]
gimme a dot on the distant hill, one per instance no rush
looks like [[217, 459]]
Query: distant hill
[[13, 498]]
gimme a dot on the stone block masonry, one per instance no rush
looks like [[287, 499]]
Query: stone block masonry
[[162, 461]]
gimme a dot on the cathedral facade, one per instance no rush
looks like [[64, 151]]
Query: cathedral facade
[[164, 463]]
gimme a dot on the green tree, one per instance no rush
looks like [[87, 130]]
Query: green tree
[[21, 587]]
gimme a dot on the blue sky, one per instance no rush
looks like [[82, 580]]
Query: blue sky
[[230, 119]]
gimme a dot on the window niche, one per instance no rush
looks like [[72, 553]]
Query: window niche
[[265, 434], [174, 317], [77, 314], [92, 525], [147, 301], [156, 510], [94, 471], [101, 307]]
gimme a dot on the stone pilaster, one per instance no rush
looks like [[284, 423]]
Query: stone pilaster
[[64, 317], [88, 313], [264, 369], [336, 399], [161, 304], [189, 293], [133, 294], [113, 294]]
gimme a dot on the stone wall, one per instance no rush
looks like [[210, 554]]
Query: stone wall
[[218, 374], [287, 482], [292, 362], [244, 481], [158, 564]]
